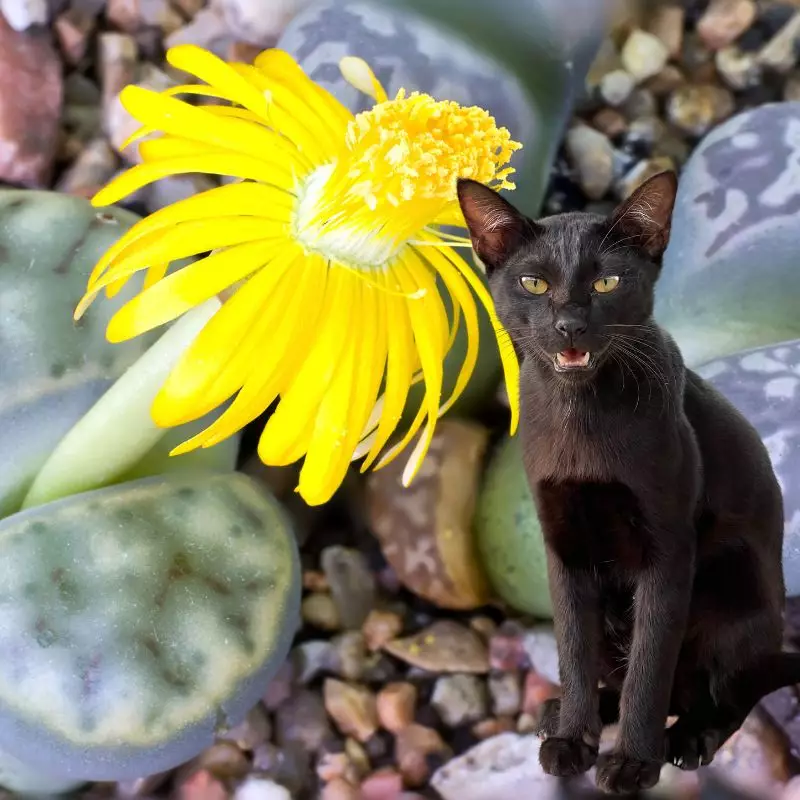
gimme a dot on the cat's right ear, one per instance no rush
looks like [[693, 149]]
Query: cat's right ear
[[496, 228]]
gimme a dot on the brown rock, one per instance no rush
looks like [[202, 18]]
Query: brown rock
[[536, 691], [189, 8], [483, 626], [493, 726], [340, 789], [201, 785], [93, 168], [397, 703], [353, 709], [358, 757], [224, 760], [413, 747], [666, 24], [425, 530], [243, 52], [696, 108], [315, 581], [381, 627], [117, 54], [385, 784], [73, 29], [669, 79], [724, 21], [319, 610], [31, 94], [610, 122], [445, 646]]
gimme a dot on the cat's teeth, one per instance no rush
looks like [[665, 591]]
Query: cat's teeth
[[573, 358]]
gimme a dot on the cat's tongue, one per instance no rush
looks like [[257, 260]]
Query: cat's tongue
[[572, 358]]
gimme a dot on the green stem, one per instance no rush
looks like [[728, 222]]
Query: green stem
[[118, 431]]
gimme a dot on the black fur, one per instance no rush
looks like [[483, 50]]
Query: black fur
[[662, 516]]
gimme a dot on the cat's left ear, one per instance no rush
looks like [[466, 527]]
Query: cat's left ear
[[645, 217], [496, 228]]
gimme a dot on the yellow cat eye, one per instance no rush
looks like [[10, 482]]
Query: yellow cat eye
[[606, 285], [533, 285]]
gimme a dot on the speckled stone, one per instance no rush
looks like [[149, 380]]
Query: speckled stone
[[730, 279], [764, 384]]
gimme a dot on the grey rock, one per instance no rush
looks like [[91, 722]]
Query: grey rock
[[352, 584], [261, 789], [738, 206], [176, 187], [696, 108], [348, 656], [506, 693], [289, 766], [539, 644], [24, 14], [253, 730], [590, 153], [459, 699], [207, 29], [615, 87], [302, 720], [257, 22], [791, 89], [780, 52], [764, 384], [505, 766], [91, 170], [739, 70], [311, 658], [641, 103], [644, 55]]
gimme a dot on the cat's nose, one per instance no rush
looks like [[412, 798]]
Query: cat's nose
[[570, 326]]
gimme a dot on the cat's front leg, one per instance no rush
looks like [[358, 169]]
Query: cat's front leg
[[576, 617], [662, 599]]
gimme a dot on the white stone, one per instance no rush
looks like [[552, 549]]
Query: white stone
[[261, 789], [24, 14], [644, 55], [540, 646]]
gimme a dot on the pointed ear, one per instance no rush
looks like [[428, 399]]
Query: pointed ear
[[495, 226], [645, 217]]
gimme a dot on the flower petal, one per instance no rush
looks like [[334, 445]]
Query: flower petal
[[188, 287]]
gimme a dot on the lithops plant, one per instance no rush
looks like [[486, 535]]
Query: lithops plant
[[137, 621], [139, 618]]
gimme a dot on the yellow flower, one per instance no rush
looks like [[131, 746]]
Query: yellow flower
[[325, 253]]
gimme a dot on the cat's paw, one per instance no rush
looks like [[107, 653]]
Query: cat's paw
[[549, 718], [690, 747], [564, 758], [618, 774]]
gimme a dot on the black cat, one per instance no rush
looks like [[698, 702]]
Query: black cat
[[662, 516]]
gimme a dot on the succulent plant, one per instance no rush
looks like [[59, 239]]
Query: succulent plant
[[138, 618]]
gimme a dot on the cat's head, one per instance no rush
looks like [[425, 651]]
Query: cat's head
[[564, 285]]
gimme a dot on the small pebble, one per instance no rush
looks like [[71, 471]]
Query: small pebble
[[142, 787], [738, 69], [254, 730], [537, 690], [527, 723], [791, 89], [289, 766], [669, 79], [459, 699], [444, 646], [483, 626], [24, 14], [73, 29], [352, 584], [697, 61], [207, 29], [781, 52], [310, 659], [640, 173], [644, 55], [695, 109], [615, 87], [321, 612], [224, 760], [381, 627], [91, 170], [358, 757], [725, 21], [170, 190], [280, 687], [610, 122], [590, 153], [506, 648], [201, 785], [396, 705], [494, 726], [315, 581], [261, 789], [666, 24], [384, 784], [302, 720], [505, 692], [352, 708], [340, 789], [414, 747], [336, 765], [541, 650], [644, 134], [348, 656], [641, 103]]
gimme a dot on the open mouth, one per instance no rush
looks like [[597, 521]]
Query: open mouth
[[573, 359]]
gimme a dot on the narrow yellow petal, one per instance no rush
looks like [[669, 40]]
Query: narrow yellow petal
[[216, 364], [215, 72], [188, 239], [238, 199], [507, 355], [288, 430], [154, 274], [187, 288], [461, 294], [232, 164]]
